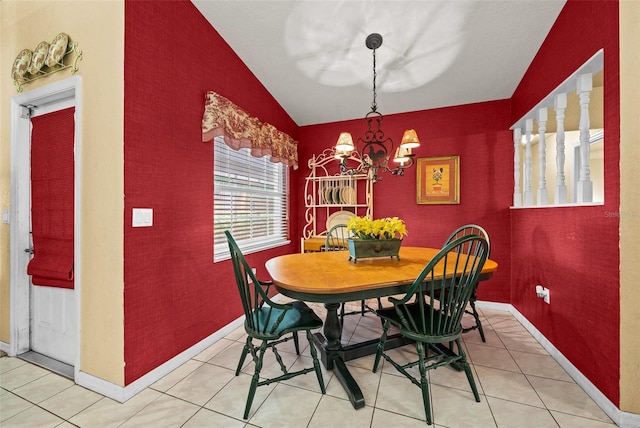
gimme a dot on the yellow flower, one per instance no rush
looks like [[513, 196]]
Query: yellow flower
[[384, 228]]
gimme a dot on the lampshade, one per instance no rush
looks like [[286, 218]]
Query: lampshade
[[345, 143], [410, 139], [402, 155]]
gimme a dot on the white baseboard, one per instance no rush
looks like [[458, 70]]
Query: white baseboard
[[122, 394], [4, 346], [620, 418]]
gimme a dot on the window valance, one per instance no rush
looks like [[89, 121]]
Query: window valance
[[239, 129]]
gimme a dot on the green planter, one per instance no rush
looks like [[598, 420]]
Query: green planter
[[366, 248]]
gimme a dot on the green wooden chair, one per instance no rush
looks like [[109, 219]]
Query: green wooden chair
[[433, 320], [472, 229], [337, 238], [337, 241], [269, 322]]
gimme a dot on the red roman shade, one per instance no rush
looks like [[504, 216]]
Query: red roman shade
[[52, 204]]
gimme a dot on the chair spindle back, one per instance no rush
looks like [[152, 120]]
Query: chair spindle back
[[446, 285], [337, 238], [470, 229], [261, 319]]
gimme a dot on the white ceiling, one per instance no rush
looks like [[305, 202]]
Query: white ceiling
[[311, 54]]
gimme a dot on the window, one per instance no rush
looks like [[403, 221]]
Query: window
[[566, 167], [249, 199]]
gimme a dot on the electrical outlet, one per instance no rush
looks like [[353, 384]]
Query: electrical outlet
[[543, 293]]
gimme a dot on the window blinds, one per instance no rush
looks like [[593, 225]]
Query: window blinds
[[250, 200]]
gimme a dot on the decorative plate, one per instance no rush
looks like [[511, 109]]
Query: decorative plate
[[57, 49], [339, 217], [336, 195], [348, 195], [39, 55], [327, 195], [21, 64]]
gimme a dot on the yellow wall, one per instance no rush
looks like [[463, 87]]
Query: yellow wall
[[629, 206], [98, 27]]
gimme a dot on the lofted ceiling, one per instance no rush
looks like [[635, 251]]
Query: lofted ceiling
[[311, 54]]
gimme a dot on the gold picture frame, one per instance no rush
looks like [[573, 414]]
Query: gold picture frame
[[438, 180]]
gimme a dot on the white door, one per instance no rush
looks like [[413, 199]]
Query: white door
[[44, 320], [53, 323], [52, 309]]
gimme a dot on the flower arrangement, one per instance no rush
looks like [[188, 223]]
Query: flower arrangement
[[384, 228]]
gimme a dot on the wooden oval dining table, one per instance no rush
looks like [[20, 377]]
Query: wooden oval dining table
[[330, 278]]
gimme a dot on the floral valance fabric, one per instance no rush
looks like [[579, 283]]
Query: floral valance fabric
[[223, 118]]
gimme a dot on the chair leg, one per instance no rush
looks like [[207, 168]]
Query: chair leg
[[467, 370], [380, 348], [472, 303], [380, 308], [342, 314], [362, 307], [296, 342], [245, 350], [316, 363], [255, 378], [424, 384]]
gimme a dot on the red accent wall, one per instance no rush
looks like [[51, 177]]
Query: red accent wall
[[574, 251], [174, 295], [479, 134]]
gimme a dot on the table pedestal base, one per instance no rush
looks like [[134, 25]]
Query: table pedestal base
[[333, 355], [334, 359]]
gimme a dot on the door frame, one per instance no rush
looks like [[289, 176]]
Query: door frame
[[21, 203]]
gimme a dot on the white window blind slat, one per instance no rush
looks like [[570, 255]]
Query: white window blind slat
[[250, 200]]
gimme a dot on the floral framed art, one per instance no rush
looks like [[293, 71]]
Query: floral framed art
[[438, 180]]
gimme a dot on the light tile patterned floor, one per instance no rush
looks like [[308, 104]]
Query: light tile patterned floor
[[519, 383]]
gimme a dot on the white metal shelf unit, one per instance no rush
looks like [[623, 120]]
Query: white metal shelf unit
[[327, 193]]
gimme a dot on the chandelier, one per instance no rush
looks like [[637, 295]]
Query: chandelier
[[374, 148]]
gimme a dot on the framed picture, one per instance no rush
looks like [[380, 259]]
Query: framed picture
[[438, 180]]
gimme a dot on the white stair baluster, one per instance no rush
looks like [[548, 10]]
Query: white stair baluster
[[560, 104], [517, 196], [528, 193], [585, 186], [543, 197]]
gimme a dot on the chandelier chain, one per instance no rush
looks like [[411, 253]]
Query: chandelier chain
[[374, 105]]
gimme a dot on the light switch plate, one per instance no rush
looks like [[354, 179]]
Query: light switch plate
[[142, 217]]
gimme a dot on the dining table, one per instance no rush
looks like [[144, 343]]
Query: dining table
[[331, 278]]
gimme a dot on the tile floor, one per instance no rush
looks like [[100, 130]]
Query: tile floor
[[519, 383]]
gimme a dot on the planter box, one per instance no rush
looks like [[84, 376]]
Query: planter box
[[365, 248]]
